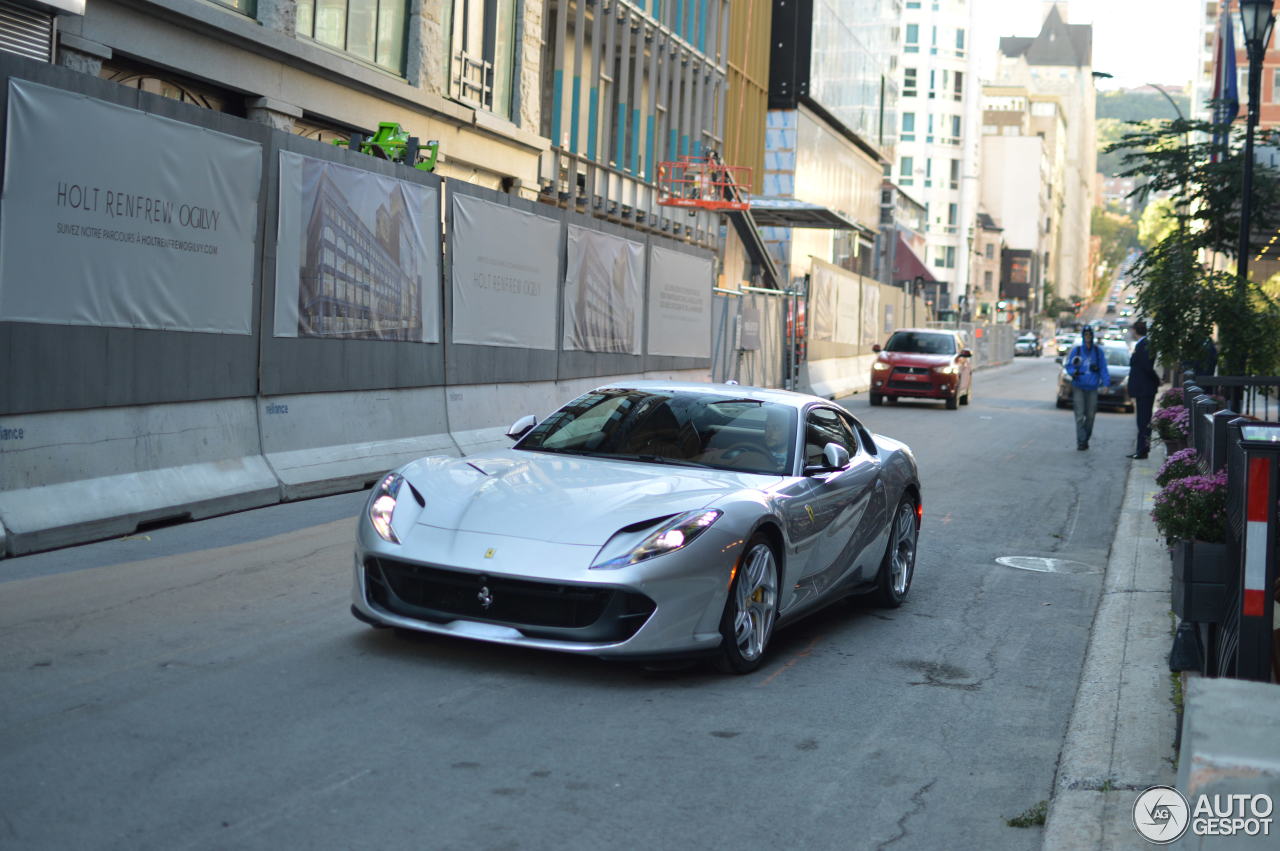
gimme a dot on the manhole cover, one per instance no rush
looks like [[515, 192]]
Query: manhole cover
[[1046, 565]]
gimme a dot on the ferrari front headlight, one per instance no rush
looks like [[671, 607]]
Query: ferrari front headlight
[[382, 505], [676, 533]]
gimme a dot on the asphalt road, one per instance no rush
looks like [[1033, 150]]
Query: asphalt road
[[204, 687]]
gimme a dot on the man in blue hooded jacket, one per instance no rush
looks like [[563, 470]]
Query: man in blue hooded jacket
[[1086, 363]]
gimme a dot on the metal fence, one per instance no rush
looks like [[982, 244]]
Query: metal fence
[[1226, 594], [753, 338]]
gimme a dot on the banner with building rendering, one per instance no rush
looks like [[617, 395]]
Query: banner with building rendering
[[603, 290], [679, 304], [506, 272], [357, 254], [120, 218]]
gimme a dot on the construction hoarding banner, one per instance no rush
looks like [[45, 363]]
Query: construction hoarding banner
[[835, 305], [120, 218], [506, 270], [357, 254], [603, 292], [679, 304]]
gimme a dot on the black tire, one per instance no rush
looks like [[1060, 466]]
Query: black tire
[[894, 579], [876, 400], [742, 653], [964, 400], [953, 402], [1061, 404]]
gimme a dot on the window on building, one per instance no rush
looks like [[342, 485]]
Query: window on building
[[372, 30], [928, 171], [483, 49], [986, 278], [933, 76], [1275, 85], [955, 174], [933, 40], [912, 40], [951, 256], [913, 4], [953, 214], [906, 171], [957, 90], [955, 127], [959, 41], [991, 252], [929, 136], [910, 82]]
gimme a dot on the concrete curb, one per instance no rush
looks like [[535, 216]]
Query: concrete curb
[[1120, 737]]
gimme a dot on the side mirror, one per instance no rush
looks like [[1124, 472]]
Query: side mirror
[[875, 347], [965, 353], [836, 457], [522, 426]]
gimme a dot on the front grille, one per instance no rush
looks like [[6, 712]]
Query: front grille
[[910, 385], [914, 370], [541, 609]]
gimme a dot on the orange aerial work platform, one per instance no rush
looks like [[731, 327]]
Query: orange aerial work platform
[[704, 182]]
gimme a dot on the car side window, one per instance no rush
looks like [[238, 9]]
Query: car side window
[[823, 426], [859, 430]]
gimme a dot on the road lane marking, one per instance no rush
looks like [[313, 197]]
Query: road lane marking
[[790, 663]]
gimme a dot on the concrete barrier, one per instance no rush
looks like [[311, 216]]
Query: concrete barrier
[[324, 443], [835, 378], [1229, 747], [75, 476], [78, 476]]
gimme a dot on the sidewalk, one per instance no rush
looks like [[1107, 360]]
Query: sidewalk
[[1122, 729]]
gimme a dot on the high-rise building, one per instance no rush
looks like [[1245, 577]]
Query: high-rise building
[[833, 95], [937, 152], [1206, 46], [1056, 65], [1017, 191]]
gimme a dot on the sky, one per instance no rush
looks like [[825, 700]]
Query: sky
[[1138, 41]]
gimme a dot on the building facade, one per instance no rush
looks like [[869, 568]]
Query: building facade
[[833, 97], [937, 150], [1056, 65]]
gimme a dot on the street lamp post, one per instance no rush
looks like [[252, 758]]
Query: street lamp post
[[1256, 20]]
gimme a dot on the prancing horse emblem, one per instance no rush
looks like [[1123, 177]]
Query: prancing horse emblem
[[485, 597]]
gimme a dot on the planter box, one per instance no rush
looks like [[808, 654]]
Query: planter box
[[1201, 575]]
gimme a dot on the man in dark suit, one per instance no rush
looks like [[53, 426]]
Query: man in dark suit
[[1143, 384]]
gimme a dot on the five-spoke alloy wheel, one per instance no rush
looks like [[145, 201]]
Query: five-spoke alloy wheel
[[751, 610], [899, 563]]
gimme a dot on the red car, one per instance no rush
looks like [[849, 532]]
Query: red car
[[923, 363]]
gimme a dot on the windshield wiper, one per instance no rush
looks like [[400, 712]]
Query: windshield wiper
[[559, 451], [661, 459]]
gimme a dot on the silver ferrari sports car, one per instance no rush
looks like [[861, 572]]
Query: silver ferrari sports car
[[645, 520]]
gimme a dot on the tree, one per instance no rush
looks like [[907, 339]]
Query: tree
[[1183, 298], [1119, 236], [1157, 221]]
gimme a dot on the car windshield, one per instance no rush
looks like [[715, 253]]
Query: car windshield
[[1027, 338], [1117, 355], [921, 343], [672, 427]]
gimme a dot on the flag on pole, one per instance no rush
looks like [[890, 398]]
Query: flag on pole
[[1226, 95]]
